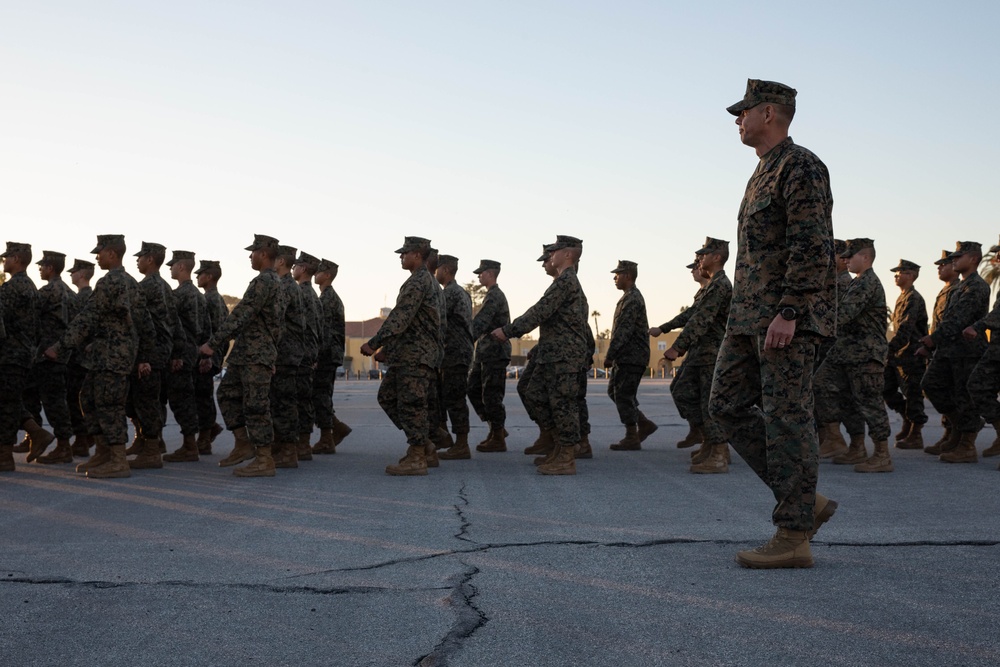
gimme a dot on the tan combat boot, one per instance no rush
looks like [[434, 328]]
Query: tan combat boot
[[340, 431], [137, 440], [206, 437], [915, 440], [305, 452], [583, 450], [488, 436], [694, 437], [548, 458], [116, 466], [497, 442], [646, 427], [101, 455], [701, 454], [187, 453], [994, 447], [325, 443], [904, 430], [23, 446], [715, 462], [788, 548], [261, 466], [543, 444], [964, 452], [631, 440], [149, 457], [63, 453], [442, 439], [285, 455], [856, 452], [7, 458], [412, 464], [879, 461], [242, 449], [82, 445], [563, 463], [831, 440], [40, 438], [430, 456], [460, 450], [823, 511]]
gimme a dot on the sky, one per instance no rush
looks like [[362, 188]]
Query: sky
[[489, 128]]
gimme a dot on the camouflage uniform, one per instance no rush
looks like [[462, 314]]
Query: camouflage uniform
[[75, 373], [204, 383], [18, 345], [763, 398], [144, 403], [191, 331], [310, 355], [435, 402], [291, 350], [904, 371], [458, 348], [691, 410], [984, 382], [851, 416], [487, 381], [331, 356], [628, 351]]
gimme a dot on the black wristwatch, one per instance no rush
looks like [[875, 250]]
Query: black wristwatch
[[788, 313]]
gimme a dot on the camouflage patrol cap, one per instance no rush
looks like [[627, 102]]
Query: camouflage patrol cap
[[449, 261], [692, 265], [14, 246], [285, 250], [104, 240], [839, 247], [905, 265], [326, 265], [855, 245], [759, 92], [51, 256], [713, 246], [486, 265], [207, 265], [415, 244], [625, 266], [945, 258], [963, 247], [261, 241], [179, 255], [81, 265], [305, 259], [563, 241], [148, 247]]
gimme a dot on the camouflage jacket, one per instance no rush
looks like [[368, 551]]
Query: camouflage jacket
[[194, 328], [992, 323], [909, 322], [82, 297], [114, 330], [706, 326], [217, 311], [458, 343], [314, 314], [56, 307], [843, 282], [785, 245], [966, 306], [19, 303], [160, 306], [861, 323], [941, 302], [494, 314], [411, 335], [629, 344], [292, 346], [332, 336], [682, 317], [561, 316], [442, 318], [255, 323]]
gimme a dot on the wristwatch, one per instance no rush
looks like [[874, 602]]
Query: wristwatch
[[788, 313]]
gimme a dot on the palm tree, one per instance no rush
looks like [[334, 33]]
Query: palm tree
[[989, 269]]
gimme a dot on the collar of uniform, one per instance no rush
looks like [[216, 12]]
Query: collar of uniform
[[769, 158]]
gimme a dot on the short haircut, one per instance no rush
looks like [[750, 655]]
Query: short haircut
[[118, 247], [288, 258], [215, 272], [425, 252], [868, 252], [57, 264], [88, 272], [157, 256], [270, 251], [723, 253], [575, 254], [23, 255], [786, 112], [186, 264]]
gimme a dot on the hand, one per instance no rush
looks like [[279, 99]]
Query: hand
[[779, 333], [144, 370], [176, 365], [206, 350], [922, 352], [671, 354], [499, 335], [380, 355], [655, 331], [969, 333], [367, 350], [205, 366], [927, 342], [608, 363], [527, 355], [51, 354]]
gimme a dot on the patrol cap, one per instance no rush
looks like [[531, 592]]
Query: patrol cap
[[856, 245], [207, 265], [563, 241], [178, 255], [326, 265], [486, 265], [81, 265], [305, 259], [905, 265], [148, 247], [449, 261], [759, 92], [839, 247], [14, 246], [625, 266], [51, 256], [104, 240], [261, 241], [415, 244], [962, 247], [692, 265], [713, 246], [285, 250], [945, 258], [545, 253]]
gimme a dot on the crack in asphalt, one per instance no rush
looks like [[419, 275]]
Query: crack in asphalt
[[469, 618], [463, 520]]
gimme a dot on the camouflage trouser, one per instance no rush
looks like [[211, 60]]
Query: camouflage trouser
[[435, 406], [555, 391], [322, 395], [690, 411], [984, 383], [285, 404], [403, 397], [307, 411], [178, 392], [522, 390], [486, 387], [204, 398], [144, 403], [864, 383], [581, 402], [763, 400], [946, 387], [453, 385], [244, 400], [693, 392], [623, 385], [47, 390], [103, 401], [902, 391], [74, 383], [15, 379]]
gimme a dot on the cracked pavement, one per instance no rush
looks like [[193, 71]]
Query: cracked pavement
[[484, 562]]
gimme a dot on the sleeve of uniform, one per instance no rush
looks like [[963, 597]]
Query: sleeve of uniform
[[705, 311], [962, 312], [627, 322], [244, 310], [407, 303], [906, 325], [144, 326], [550, 302], [484, 319], [338, 336], [857, 298], [808, 203], [680, 321], [79, 329]]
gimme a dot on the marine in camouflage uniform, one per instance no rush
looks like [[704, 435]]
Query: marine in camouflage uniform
[[784, 303], [487, 382], [545, 443], [984, 383], [947, 275], [410, 342], [291, 350], [904, 371], [209, 273], [303, 272], [435, 399], [458, 349], [80, 273], [946, 380], [331, 357]]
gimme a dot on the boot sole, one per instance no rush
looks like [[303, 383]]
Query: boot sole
[[114, 475], [882, 469], [413, 473], [709, 472], [225, 463], [776, 565], [266, 473]]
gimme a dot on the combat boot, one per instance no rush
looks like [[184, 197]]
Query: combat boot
[[831, 440], [543, 444], [488, 436], [412, 464], [23, 446], [646, 427], [285, 455], [563, 463], [206, 437], [102, 454], [631, 440], [442, 439], [715, 462], [430, 455], [823, 511], [701, 454], [879, 461], [82, 445], [994, 448], [261, 466], [116, 466], [964, 452], [7, 458], [583, 450], [149, 457], [188, 452], [904, 430], [915, 440], [242, 449], [40, 438], [788, 548], [856, 452], [938, 447], [340, 431], [497, 441], [548, 458], [305, 452], [460, 450], [63, 453], [325, 443], [137, 440], [694, 437]]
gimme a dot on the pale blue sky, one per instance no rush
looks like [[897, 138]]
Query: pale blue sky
[[488, 128]]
